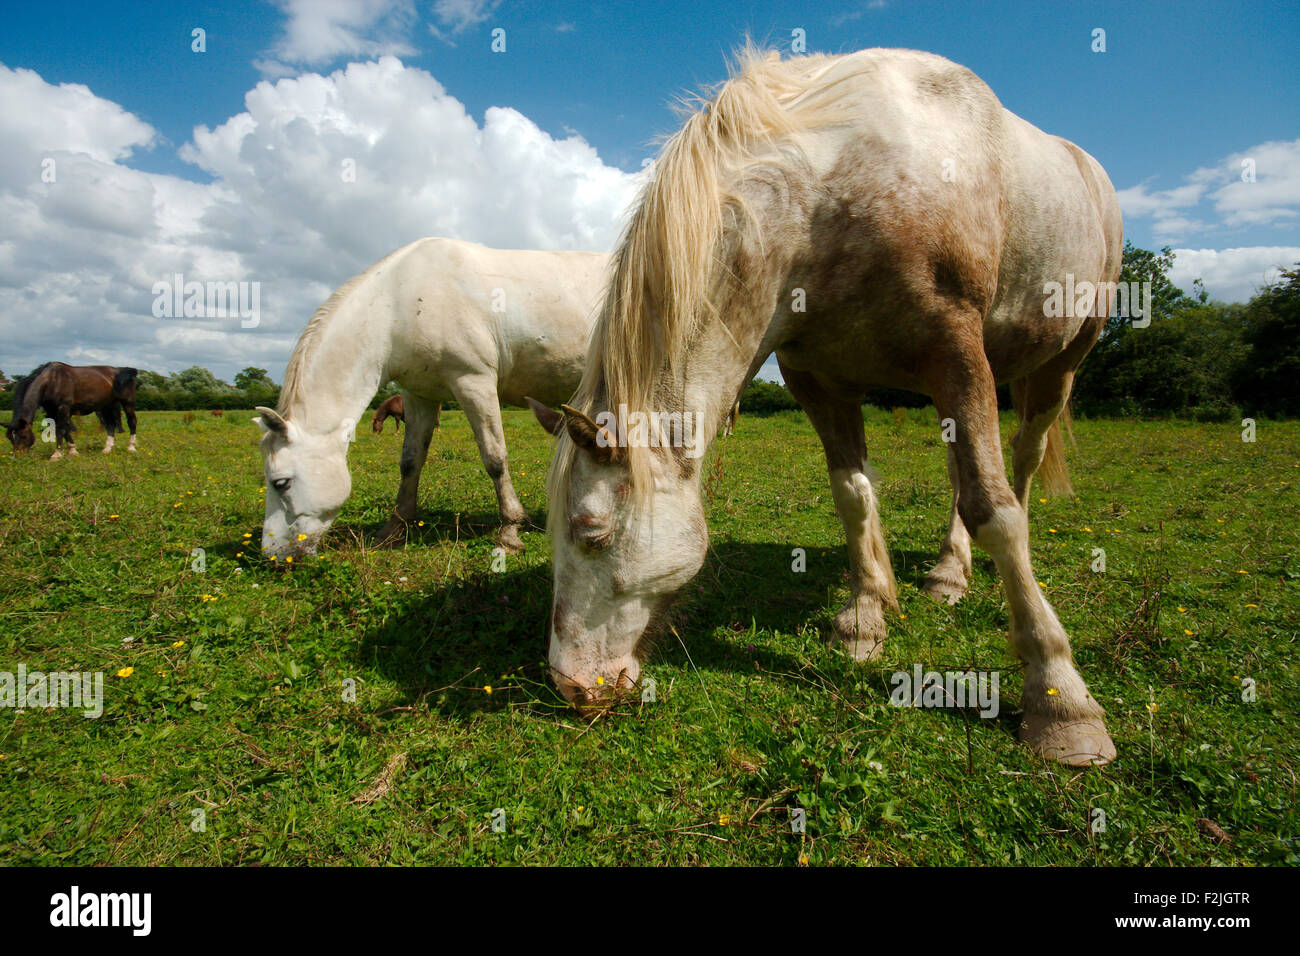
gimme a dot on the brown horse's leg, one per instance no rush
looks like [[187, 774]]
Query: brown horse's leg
[[950, 577], [478, 398], [108, 419], [415, 449], [69, 430], [860, 626], [129, 408], [1061, 718]]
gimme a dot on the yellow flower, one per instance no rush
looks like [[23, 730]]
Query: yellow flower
[[723, 819], [126, 672], [1042, 501], [288, 560], [1187, 632], [302, 537], [902, 617], [600, 680], [239, 554], [248, 534], [177, 505], [803, 859], [1182, 610], [1089, 530], [1052, 692], [1255, 606], [1153, 707], [421, 524], [178, 644], [1243, 572], [487, 688], [113, 516], [1051, 531]]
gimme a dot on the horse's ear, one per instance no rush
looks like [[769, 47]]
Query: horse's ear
[[598, 440], [548, 418], [271, 421]]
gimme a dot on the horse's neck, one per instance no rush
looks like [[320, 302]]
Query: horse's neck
[[347, 363], [732, 345]]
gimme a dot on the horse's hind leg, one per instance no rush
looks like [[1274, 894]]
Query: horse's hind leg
[[422, 415], [108, 419], [860, 626], [1039, 399], [948, 580], [478, 397], [1061, 718], [130, 421]]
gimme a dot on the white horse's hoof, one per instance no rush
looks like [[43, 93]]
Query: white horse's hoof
[[946, 584], [860, 630], [1079, 742]]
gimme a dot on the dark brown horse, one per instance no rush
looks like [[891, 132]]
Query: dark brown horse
[[61, 391], [392, 408]]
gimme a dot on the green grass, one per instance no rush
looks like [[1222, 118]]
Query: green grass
[[246, 718]]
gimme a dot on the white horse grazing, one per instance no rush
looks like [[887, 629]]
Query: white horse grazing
[[876, 220], [446, 320]]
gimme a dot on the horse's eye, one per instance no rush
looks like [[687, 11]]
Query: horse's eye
[[280, 484]]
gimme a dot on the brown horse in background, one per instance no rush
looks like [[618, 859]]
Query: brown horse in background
[[61, 391], [393, 408]]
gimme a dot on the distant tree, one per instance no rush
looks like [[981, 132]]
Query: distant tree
[[196, 379], [1268, 378], [252, 377]]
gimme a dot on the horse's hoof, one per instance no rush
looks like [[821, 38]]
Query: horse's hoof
[[56, 456], [74, 453], [1078, 742], [860, 630], [391, 535], [508, 538], [945, 585]]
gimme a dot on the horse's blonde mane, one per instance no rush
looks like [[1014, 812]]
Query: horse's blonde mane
[[663, 276], [295, 373]]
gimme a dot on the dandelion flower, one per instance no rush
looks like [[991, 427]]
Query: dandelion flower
[[723, 819], [178, 644], [1187, 632], [487, 688], [302, 537], [803, 859], [126, 672], [114, 516]]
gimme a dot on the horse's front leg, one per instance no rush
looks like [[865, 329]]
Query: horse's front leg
[[130, 421], [109, 421], [65, 432], [860, 626], [1061, 719]]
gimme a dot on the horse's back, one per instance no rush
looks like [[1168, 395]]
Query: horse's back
[[521, 316]]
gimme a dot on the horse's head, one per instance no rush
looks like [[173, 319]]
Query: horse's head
[[20, 434], [618, 556], [307, 481]]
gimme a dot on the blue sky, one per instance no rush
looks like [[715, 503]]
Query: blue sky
[[1181, 94]]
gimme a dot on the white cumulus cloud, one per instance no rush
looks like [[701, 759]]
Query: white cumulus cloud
[[318, 177]]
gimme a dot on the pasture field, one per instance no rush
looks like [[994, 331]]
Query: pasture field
[[232, 701]]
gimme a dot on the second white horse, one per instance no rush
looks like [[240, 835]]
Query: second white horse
[[447, 321]]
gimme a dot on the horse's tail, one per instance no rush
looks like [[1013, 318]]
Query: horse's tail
[[1055, 473], [124, 378]]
